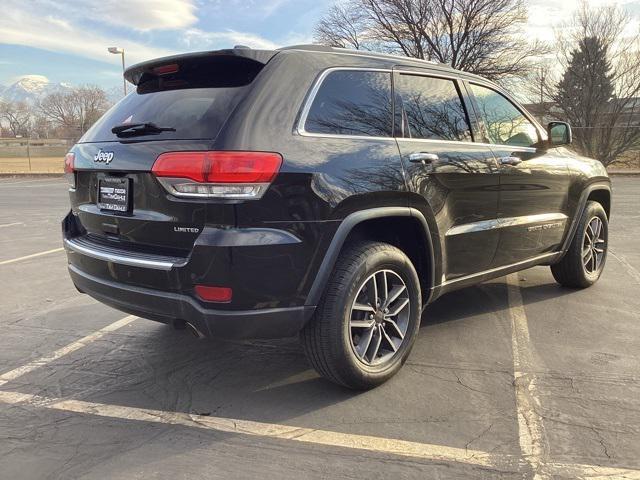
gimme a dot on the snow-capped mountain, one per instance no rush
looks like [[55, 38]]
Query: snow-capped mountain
[[31, 88]]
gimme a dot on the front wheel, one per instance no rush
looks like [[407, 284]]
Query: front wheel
[[583, 263], [366, 324]]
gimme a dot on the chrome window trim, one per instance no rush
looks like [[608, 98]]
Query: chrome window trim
[[300, 128], [338, 136], [495, 223], [453, 142], [425, 72], [115, 258]]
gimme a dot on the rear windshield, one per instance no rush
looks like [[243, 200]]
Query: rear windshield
[[196, 100]]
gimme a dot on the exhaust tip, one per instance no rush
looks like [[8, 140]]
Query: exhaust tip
[[192, 328]]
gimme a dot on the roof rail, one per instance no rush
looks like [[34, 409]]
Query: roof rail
[[308, 46], [385, 55], [350, 51]]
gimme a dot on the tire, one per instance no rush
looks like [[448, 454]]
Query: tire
[[578, 269], [335, 339]]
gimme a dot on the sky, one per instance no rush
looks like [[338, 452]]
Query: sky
[[67, 40]]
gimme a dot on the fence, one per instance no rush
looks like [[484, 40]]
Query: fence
[[33, 155]]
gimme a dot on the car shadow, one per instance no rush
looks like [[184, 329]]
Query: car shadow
[[490, 297], [260, 380]]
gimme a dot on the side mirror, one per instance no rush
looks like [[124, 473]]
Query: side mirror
[[559, 134]]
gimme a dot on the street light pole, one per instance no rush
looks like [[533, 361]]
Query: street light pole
[[117, 50]]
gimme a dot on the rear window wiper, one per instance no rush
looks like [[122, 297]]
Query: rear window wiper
[[133, 129]]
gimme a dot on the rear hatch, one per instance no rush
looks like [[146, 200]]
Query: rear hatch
[[180, 104]]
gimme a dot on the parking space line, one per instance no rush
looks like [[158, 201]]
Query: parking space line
[[72, 347], [625, 263], [403, 448], [33, 255], [11, 224], [530, 427], [591, 472]]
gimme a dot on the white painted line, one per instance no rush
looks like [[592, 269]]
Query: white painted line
[[625, 263], [33, 255], [423, 451], [72, 347], [591, 472], [11, 224], [530, 427]]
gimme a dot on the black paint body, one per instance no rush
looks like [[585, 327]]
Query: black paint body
[[276, 252]]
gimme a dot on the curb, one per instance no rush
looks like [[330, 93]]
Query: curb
[[622, 173]]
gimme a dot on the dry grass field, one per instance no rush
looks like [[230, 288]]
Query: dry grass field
[[25, 155], [35, 165]]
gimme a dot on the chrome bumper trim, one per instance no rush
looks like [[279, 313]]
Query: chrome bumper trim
[[123, 259]]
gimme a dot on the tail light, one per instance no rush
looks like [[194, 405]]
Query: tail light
[[217, 174], [69, 169]]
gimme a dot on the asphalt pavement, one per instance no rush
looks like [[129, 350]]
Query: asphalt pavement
[[514, 378]]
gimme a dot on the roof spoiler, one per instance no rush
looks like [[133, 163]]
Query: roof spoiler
[[136, 72]]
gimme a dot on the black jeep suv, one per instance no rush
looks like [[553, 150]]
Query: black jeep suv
[[321, 192]]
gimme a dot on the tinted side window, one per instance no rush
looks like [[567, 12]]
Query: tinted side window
[[352, 103], [433, 109], [504, 123]]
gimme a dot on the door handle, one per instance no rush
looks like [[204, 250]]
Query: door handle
[[423, 158], [510, 160]]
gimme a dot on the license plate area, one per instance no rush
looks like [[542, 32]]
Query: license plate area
[[114, 194]]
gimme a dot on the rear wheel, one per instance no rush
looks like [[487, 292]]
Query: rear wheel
[[583, 263], [366, 324]]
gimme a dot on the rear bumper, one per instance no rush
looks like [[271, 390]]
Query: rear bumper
[[166, 307]]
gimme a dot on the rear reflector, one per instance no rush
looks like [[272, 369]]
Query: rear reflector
[[217, 174], [69, 169], [214, 294]]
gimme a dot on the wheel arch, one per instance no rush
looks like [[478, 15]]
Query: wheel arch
[[368, 224], [603, 197], [599, 192]]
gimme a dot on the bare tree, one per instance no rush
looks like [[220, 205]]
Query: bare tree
[[41, 126], [600, 87], [17, 116], [75, 111], [343, 28], [479, 36], [538, 89]]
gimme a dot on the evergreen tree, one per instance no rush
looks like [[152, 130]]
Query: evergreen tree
[[585, 95]]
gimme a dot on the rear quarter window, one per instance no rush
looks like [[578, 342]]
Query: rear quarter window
[[351, 102]]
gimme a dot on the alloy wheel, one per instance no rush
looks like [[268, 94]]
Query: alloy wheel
[[379, 317], [594, 245]]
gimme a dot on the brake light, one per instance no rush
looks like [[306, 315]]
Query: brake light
[[69, 169], [166, 69], [217, 174], [214, 294]]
